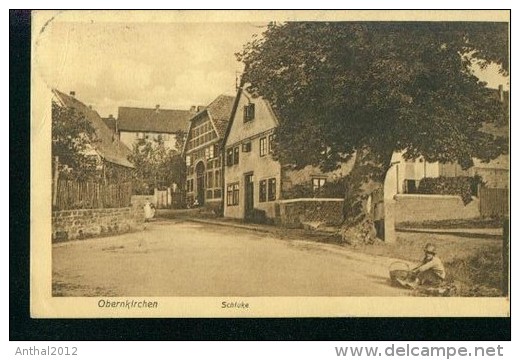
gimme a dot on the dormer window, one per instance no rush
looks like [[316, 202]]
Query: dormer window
[[249, 112]]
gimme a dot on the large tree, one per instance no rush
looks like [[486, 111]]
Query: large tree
[[345, 89]]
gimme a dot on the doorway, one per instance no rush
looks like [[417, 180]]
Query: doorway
[[200, 172], [249, 196]]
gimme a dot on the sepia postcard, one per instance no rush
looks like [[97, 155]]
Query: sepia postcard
[[244, 164]]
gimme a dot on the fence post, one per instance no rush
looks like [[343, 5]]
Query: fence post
[[55, 182], [505, 258]]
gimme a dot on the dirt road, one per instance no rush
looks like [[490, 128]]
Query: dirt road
[[180, 258]]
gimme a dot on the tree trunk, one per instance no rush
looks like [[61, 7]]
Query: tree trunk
[[367, 175]]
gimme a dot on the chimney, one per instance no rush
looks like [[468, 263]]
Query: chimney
[[193, 109], [72, 93], [501, 93], [157, 108]]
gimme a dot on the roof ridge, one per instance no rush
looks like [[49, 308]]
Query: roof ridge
[[148, 108], [218, 97]]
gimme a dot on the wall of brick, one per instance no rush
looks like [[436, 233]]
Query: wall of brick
[[293, 213], [417, 208], [88, 223]]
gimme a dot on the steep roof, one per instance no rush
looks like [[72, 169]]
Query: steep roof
[[220, 111], [236, 100], [112, 151], [153, 120]]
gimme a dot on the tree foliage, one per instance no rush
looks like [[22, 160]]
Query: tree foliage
[[340, 87], [156, 166], [72, 137], [344, 89]]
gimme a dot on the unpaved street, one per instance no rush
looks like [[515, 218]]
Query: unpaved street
[[180, 258]]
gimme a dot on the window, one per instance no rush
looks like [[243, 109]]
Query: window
[[262, 191], [232, 155], [229, 157], [271, 194], [249, 112], [317, 183], [189, 185], [209, 194], [210, 179], [263, 146], [410, 186], [217, 179], [217, 194], [269, 144], [235, 194], [232, 194], [229, 195], [236, 152], [188, 160], [211, 151], [246, 147]]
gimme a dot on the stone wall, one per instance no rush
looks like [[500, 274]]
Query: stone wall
[[296, 212], [418, 208], [87, 223]]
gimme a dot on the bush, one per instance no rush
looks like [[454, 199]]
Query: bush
[[464, 186]]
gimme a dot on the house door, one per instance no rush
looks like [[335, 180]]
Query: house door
[[249, 196], [199, 170]]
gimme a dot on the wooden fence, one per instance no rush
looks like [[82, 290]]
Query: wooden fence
[[494, 202], [90, 195]]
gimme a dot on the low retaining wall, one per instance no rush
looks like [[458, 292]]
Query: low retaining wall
[[87, 223], [418, 207], [295, 212]]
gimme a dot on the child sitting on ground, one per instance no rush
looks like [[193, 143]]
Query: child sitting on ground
[[429, 273]]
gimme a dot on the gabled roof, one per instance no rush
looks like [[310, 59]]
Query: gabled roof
[[152, 120], [107, 147], [219, 112], [234, 110]]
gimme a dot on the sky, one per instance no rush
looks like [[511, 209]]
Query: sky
[[144, 64], [174, 65]]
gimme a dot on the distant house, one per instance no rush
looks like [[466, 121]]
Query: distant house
[[134, 124], [407, 174], [203, 155], [258, 186], [110, 152]]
